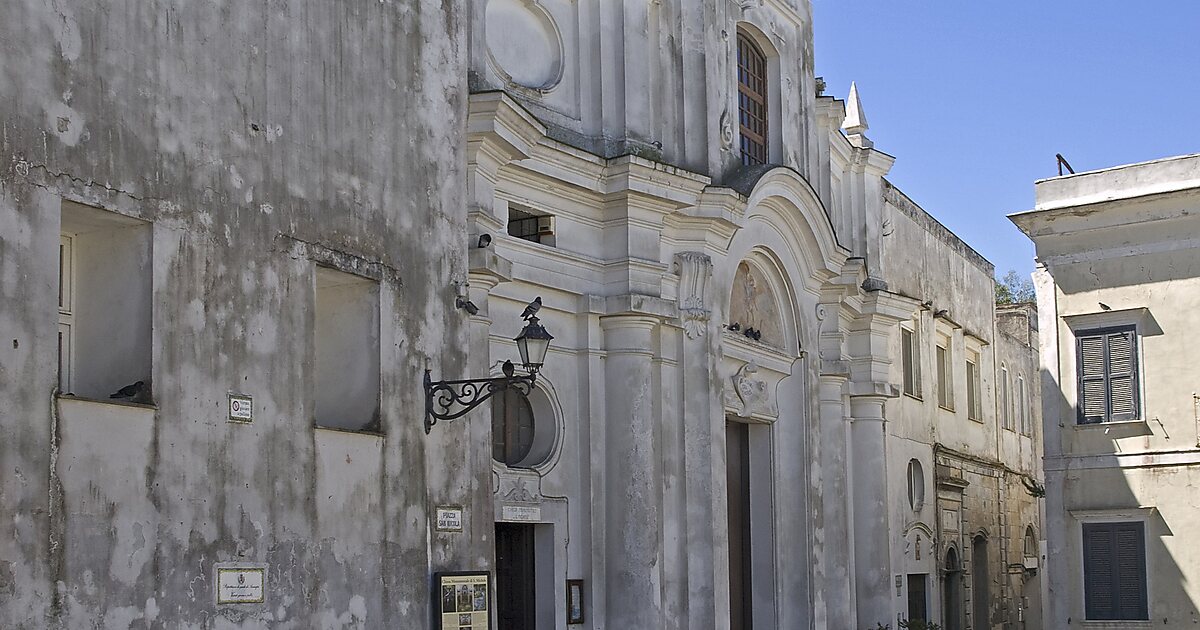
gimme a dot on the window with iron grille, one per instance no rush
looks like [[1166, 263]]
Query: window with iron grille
[[1107, 373], [1114, 571], [752, 101]]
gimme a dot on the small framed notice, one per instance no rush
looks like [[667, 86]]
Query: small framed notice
[[574, 601], [462, 600], [241, 584], [449, 518], [241, 408]]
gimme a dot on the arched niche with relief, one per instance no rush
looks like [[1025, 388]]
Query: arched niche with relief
[[753, 304]]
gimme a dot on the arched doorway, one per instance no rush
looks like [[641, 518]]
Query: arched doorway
[[952, 592], [980, 584]]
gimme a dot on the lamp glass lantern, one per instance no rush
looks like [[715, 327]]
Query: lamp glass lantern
[[533, 343]]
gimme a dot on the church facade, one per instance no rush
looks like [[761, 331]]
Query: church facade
[[779, 394]]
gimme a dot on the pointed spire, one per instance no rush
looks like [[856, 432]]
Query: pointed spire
[[856, 120]]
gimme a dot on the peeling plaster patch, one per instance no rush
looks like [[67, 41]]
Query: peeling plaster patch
[[261, 340], [266, 208], [121, 618], [70, 42], [65, 123], [151, 609], [234, 177]]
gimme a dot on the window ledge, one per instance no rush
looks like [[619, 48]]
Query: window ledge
[[1115, 625], [1101, 425], [945, 408], [106, 401], [979, 420], [362, 432], [914, 396]]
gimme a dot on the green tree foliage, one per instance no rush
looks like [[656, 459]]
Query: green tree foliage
[[1013, 289]]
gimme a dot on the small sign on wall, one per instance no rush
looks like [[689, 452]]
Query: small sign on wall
[[241, 408], [449, 518], [521, 513], [241, 584], [462, 600]]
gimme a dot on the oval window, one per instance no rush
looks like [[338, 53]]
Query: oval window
[[512, 427], [916, 485]]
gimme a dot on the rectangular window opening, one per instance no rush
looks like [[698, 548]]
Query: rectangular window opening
[[973, 387], [945, 377], [1114, 571], [532, 226], [1107, 373], [1004, 401], [910, 357], [346, 345], [104, 305]]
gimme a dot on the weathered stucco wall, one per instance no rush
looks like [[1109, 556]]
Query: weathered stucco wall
[[1117, 248], [257, 139]]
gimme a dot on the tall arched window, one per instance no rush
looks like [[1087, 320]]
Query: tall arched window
[[752, 100]]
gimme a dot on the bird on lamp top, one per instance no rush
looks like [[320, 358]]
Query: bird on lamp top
[[531, 311]]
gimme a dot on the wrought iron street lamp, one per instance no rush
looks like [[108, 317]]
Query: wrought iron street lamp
[[447, 400]]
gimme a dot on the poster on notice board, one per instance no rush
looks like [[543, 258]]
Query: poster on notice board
[[462, 600]]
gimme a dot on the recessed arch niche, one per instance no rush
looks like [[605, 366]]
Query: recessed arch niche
[[760, 300]]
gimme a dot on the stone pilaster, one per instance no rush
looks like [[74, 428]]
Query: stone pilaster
[[633, 516]]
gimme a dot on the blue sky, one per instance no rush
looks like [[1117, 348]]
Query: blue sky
[[975, 97]]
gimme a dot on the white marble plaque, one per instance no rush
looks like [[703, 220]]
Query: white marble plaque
[[530, 513]]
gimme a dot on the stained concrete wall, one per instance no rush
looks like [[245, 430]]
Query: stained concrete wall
[[650, 79], [973, 466], [257, 140]]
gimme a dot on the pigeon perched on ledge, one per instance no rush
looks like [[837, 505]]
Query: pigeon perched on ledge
[[132, 392]]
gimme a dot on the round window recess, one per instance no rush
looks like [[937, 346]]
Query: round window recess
[[522, 429], [916, 485], [524, 43]]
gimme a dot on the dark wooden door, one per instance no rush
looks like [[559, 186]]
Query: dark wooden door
[[514, 576], [737, 471], [917, 597]]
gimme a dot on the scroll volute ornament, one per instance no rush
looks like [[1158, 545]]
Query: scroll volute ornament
[[694, 270]]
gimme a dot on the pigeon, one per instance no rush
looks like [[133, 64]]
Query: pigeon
[[735, 327], [130, 391], [485, 240], [466, 305], [531, 310]]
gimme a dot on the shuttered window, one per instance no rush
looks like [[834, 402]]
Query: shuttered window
[[945, 382], [910, 357], [973, 405], [1114, 571], [752, 101], [1107, 373], [1004, 402]]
